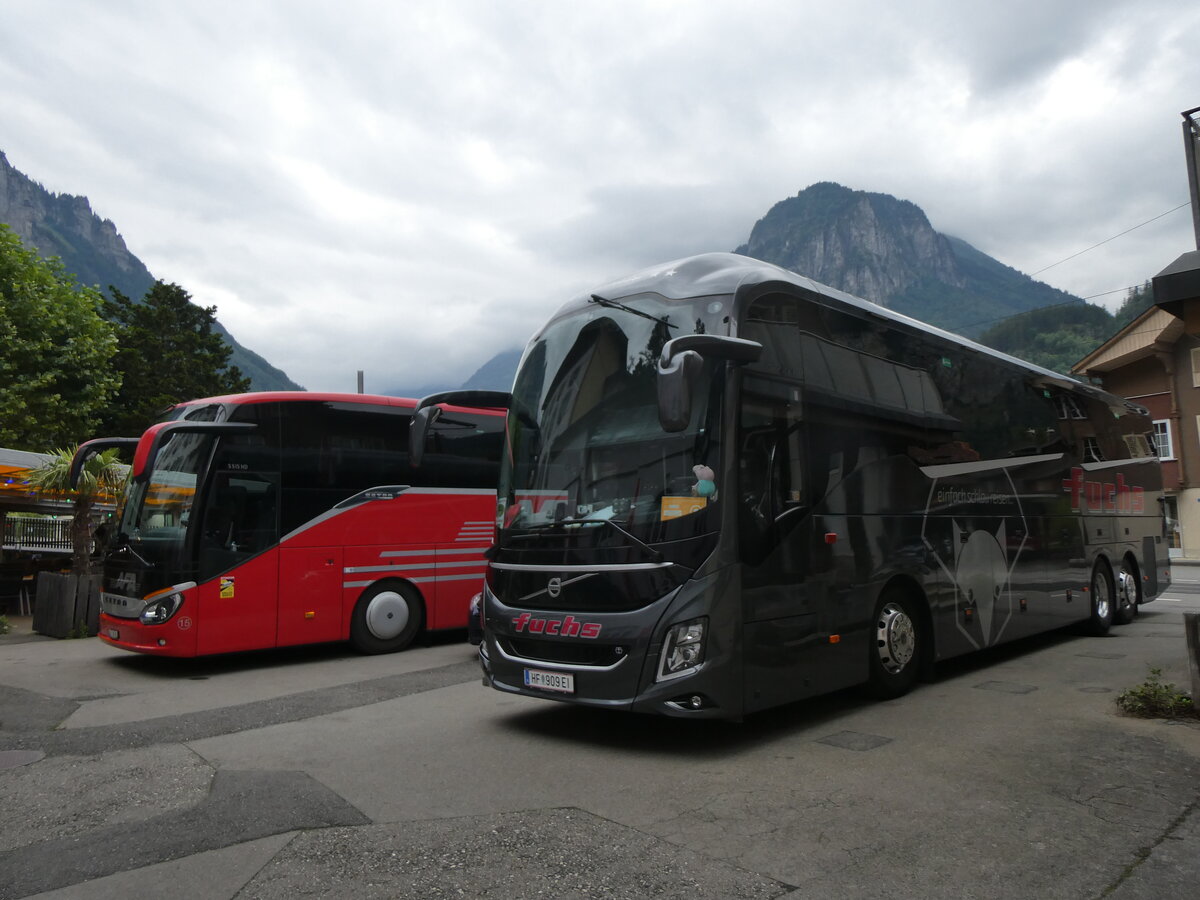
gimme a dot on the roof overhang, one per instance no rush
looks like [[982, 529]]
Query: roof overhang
[[1152, 332], [1178, 282]]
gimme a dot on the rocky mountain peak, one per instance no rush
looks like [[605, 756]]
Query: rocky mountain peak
[[871, 245]]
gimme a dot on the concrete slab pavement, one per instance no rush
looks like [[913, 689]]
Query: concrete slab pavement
[[1012, 775]]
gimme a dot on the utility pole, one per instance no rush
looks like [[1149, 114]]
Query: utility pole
[[1191, 140]]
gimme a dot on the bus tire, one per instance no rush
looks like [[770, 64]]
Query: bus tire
[[896, 644], [1103, 601], [386, 618], [1128, 593]]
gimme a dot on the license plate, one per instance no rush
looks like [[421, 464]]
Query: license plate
[[562, 682], [113, 633]]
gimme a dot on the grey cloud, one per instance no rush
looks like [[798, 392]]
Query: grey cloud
[[444, 176]]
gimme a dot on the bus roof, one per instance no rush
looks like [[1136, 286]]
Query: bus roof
[[316, 397], [299, 396], [710, 274]]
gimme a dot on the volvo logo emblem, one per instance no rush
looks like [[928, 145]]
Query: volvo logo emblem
[[555, 585]]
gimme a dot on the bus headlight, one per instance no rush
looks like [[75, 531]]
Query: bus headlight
[[683, 650], [161, 608]]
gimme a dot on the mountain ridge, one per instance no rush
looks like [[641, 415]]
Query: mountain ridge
[[95, 253], [885, 250]]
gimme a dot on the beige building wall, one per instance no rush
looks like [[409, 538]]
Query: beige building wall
[[1189, 522]]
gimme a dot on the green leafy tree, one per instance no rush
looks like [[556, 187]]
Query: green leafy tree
[[1137, 301], [168, 353], [1056, 337], [55, 351], [102, 474]]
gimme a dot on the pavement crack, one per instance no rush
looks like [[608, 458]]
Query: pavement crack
[[266, 863], [1143, 853]]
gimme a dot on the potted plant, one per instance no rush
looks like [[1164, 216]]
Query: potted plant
[[62, 600]]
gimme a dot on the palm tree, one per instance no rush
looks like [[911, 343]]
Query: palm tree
[[102, 474]]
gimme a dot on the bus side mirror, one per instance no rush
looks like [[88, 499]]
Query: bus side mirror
[[680, 364], [426, 413], [675, 382], [418, 433], [88, 449]]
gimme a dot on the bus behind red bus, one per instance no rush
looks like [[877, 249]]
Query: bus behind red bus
[[280, 518]]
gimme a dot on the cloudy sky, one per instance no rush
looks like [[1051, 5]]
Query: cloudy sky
[[407, 188]]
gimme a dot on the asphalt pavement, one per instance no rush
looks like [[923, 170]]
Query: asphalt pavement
[[320, 773]]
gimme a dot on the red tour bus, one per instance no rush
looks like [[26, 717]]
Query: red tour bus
[[271, 519]]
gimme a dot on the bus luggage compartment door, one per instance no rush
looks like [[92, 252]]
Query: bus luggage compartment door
[[310, 595]]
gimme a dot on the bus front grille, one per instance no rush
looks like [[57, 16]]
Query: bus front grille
[[565, 652]]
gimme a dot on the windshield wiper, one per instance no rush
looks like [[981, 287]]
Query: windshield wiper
[[122, 542], [541, 528], [613, 304]]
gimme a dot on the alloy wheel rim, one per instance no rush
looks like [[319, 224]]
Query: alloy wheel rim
[[1100, 590], [895, 638], [387, 615], [1126, 589]]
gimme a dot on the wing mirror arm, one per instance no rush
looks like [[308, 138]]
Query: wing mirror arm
[[679, 367]]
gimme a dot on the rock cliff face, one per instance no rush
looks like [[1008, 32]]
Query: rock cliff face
[[871, 245], [65, 226], [885, 250], [93, 251]]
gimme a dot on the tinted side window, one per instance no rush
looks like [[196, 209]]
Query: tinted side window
[[463, 450], [332, 451]]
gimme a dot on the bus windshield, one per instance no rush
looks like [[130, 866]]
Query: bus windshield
[[587, 450], [156, 511]]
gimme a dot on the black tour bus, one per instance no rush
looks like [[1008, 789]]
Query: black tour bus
[[728, 487]]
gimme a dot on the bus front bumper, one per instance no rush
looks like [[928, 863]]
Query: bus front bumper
[[175, 637], [706, 694]]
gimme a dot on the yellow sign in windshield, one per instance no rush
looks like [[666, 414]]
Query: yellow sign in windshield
[[675, 507]]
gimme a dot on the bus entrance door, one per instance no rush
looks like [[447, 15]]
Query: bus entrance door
[[239, 563]]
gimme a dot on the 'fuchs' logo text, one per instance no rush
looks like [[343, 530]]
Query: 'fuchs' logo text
[[1102, 497], [568, 627]]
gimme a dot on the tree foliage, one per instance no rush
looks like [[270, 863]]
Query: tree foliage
[[101, 474], [1137, 301], [1059, 336], [168, 353], [55, 351], [1055, 337]]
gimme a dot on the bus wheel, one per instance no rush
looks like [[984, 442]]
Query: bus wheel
[[1101, 618], [1128, 595], [895, 639], [386, 619]]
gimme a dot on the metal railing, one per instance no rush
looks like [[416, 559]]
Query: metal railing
[[39, 534]]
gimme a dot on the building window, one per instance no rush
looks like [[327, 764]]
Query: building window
[[1196, 367], [1091, 450], [1069, 407], [1162, 439]]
